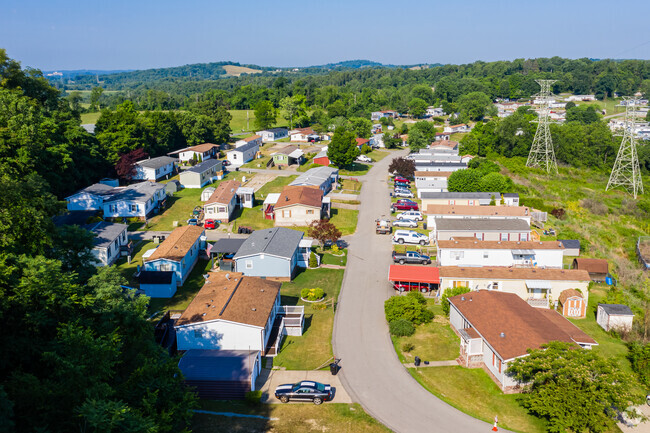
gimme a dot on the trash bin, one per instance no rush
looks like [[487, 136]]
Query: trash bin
[[424, 226], [417, 361], [609, 280], [334, 367]]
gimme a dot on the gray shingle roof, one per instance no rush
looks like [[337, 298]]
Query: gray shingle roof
[[273, 130], [227, 245], [204, 166], [462, 195], [278, 241], [106, 232], [96, 189], [140, 192], [155, 163], [570, 243], [245, 147], [514, 224], [616, 309], [314, 176]]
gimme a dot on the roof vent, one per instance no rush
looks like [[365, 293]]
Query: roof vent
[[203, 314], [254, 309], [261, 290], [227, 276], [502, 335], [462, 298]]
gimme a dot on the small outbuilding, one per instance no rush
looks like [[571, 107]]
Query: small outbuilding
[[614, 317], [205, 195], [158, 284], [572, 304], [417, 278], [571, 247], [221, 374], [598, 268], [172, 187]]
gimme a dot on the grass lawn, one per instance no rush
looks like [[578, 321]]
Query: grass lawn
[[345, 220], [274, 185], [328, 258], [182, 203], [350, 186], [258, 163], [433, 341], [473, 392], [329, 417], [89, 117], [378, 155], [238, 122], [314, 347], [128, 269], [355, 169]]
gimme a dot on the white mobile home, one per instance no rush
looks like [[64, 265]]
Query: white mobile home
[[466, 252]]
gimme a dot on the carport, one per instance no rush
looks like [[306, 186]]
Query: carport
[[224, 250], [421, 278]]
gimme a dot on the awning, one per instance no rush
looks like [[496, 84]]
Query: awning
[[226, 246], [272, 198], [538, 284], [414, 274], [523, 252], [305, 243]]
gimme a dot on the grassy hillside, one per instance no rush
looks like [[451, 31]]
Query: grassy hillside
[[607, 223]]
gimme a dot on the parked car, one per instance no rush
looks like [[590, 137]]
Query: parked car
[[411, 215], [404, 204], [411, 257], [210, 224], [407, 287], [193, 222], [403, 193], [383, 227], [405, 223], [401, 179], [304, 391], [402, 185], [410, 237], [363, 158]]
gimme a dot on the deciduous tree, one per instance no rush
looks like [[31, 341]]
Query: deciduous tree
[[323, 230], [265, 115], [403, 167], [343, 150], [125, 167]]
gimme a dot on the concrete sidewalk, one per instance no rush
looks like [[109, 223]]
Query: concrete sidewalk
[[268, 380]]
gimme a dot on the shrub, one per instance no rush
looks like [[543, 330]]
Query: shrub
[[313, 261], [596, 207], [335, 248], [448, 293], [401, 328], [409, 308], [365, 149], [253, 398], [558, 213], [408, 347], [312, 294], [319, 306]]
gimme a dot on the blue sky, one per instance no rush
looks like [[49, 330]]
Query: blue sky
[[139, 34]]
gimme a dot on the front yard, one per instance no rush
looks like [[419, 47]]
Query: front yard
[[329, 417], [350, 186], [314, 347]]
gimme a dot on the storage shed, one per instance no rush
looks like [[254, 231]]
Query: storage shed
[[614, 317], [205, 195], [158, 284], [598, 268], [571, 247], [572, 304], [221, 374]]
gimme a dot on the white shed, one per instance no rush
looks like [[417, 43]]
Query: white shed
[[614, 316], [205, 195]]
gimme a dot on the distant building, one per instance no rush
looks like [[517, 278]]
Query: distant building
[[273, 134], [201, 152], [154, 168]]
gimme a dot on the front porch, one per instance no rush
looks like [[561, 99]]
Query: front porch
[[289, 320]]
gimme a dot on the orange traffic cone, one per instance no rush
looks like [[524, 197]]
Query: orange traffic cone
[[495, 427]]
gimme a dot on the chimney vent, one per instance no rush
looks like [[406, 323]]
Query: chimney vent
[[502, 335]]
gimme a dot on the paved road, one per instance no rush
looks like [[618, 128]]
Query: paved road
[[371, 371]]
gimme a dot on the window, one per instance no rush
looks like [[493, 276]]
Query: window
[[452, 201], [112, 208], [486, 255], [249, 264], [523, 236], [495, 285], [460, 283], [310, 211], [116, 244], [457, 255], [504, 236], [134, 208], [470, 202]]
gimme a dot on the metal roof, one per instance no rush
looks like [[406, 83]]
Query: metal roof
[[203, 166], [617, 309], [139, 192], [244, 147], [315, 176], [218, 365], [539, 284], [480, 224], [227, 245], [462, 195], [277, 241], [155, 163]]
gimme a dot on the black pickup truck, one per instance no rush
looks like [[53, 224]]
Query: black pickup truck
[[410, 257]]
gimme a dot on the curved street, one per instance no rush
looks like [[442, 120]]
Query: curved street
[[371, 372]]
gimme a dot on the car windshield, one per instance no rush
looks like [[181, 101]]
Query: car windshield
[[320, 386]]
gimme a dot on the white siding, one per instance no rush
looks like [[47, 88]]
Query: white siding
[[219, 335], [85, 201], [498, 257]]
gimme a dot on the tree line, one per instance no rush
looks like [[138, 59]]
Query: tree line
[[78, 351]]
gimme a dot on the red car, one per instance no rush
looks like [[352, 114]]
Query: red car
[[401, 179], [404, 205], [402, 286], [210, 224]]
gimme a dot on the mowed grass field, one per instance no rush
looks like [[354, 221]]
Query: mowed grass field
[[244, 121]]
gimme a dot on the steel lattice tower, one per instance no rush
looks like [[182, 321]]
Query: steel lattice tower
[[626, 171], [541, 153]]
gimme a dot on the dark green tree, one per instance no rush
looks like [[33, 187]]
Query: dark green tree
[[474, 105], [265, 115], [417, 107], [464, 181], [343, 150]]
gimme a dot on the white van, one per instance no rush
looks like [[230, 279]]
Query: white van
[[410, 237]]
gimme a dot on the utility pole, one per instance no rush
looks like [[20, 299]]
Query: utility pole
[[247, 127], [541, 153], [626, 171]]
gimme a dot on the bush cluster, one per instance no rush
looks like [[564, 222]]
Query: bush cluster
[[312, 294], [401, 328], [412, 307]]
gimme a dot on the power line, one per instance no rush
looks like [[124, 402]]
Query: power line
[[542, 154]]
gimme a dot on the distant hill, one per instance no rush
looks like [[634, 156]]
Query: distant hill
[[71, 73]]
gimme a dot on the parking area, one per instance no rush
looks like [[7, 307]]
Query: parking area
[[268, 380]]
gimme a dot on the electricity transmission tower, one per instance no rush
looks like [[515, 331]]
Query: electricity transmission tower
[[541, 153], [626, 171]]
